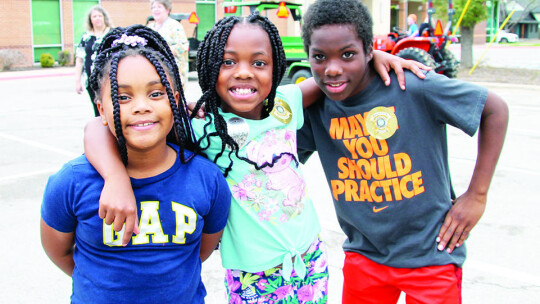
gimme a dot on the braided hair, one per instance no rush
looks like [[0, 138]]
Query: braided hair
[[209, 62], [157, 51]]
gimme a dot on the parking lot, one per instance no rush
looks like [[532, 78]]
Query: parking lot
[[41, 127]]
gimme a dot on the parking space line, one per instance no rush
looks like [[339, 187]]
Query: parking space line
[[39, 145], [28, 174]]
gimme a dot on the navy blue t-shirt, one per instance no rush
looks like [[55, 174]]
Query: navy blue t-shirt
[[161, 264]]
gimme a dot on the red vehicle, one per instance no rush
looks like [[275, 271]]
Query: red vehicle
[[428, 48]]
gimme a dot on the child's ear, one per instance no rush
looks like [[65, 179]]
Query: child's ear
[[176, 97], [370, 53], [101, 113]]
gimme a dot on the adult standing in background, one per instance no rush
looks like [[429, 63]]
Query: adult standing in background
[[173, 32], [97, 25]]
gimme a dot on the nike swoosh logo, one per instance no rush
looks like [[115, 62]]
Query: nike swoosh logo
[[377, 210]]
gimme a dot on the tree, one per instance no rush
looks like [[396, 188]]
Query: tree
[[476, 12]]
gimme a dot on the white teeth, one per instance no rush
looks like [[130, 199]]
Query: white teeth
[[335, 85], [240, 91], [144, 124]]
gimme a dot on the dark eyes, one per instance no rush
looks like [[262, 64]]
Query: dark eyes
[[348, 55], [228, 62], [157, 94], [318, 57], [257, 63], [124, 98], [345, 55]]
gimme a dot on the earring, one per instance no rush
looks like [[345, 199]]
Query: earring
[[104, 122]]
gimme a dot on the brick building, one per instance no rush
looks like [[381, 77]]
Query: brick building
[[33, 27]]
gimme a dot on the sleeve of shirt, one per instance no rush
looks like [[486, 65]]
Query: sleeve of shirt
[[57, 205], [455, 102], [80, 51], [293, 96], [305, 141], [216, 219]]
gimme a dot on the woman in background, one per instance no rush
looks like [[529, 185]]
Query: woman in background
[[97, 25], [173, 32]]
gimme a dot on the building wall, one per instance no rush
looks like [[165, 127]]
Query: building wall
[[16, 16], [67, 24], [16, 24]]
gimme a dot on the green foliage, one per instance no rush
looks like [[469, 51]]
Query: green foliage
[[64, 58], [46, 60], [476, 12], [10, 58]]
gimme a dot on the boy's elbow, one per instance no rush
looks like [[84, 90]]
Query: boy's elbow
[[496, 108]]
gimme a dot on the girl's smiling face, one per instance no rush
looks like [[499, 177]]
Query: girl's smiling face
[[245, 77], [145, 111]]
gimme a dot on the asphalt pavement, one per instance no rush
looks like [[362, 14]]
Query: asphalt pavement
[[41, 127]]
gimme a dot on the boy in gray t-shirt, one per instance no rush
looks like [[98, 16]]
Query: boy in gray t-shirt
[[384, 152]]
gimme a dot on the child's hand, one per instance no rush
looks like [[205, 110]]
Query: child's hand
[[117, 206], [384, 62], [191, 106], [460, 220]]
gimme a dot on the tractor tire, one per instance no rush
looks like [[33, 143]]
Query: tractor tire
[[451, 63], [418, 55], [300, 76]]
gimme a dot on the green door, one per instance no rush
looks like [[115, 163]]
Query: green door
[[80, 10], [206, 10], [46, 31]]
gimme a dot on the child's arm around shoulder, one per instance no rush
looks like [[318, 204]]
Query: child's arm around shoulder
[[469, 207], [117, 203]]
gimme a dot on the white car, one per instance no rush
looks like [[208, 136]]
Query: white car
[[505, 37]]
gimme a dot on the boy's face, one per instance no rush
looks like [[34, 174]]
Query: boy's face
[[338, 61]]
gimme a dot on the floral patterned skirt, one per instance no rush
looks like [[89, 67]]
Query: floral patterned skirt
[[270, 287]]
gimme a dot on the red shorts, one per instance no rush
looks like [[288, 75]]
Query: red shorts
[[368, 282]]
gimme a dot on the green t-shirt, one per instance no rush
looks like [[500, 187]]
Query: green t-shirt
[[272, 218]]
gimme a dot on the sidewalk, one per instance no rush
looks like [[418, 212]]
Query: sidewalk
[[37, 72]]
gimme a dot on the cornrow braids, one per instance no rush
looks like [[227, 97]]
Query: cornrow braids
[[140, 40], [209, 61]]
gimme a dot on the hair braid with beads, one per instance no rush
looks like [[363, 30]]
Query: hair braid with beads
[[209, 61], [157, 51]]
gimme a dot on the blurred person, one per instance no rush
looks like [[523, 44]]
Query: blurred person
[[173, 32], [97, 25], [413, 28]]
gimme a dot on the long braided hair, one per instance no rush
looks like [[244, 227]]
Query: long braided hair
[[209, 62], [140, 40]]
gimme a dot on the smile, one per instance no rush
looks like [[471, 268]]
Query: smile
[[336, 87], [242, 91], [144, 124]]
